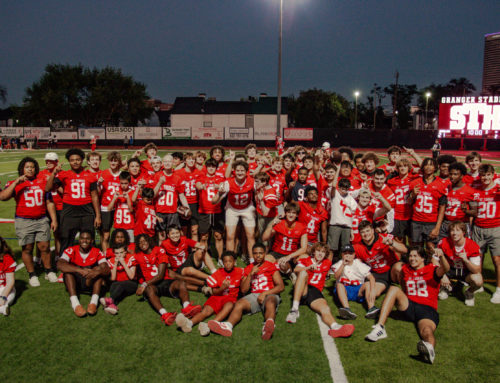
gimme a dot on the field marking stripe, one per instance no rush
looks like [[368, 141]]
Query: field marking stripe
[[6, 220], [336, 369]]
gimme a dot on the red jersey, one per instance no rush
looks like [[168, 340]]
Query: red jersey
[[312, 219], [359, 216], [278, 182], [263, 279], [401, 188], [356, 183], [110, 252], [168, 195], [310, 180], [142, 176], [121, 274], [316, 276], [124, 219], [323, 187], [453, 211], [145, 219], [287, 240], [30, 198], [7, 265], [177, 253], [451, 252], [149, 263], [421, 286], [378, 256], [205, 204], [473, 181], [188, 180], [109, 187], [426, 205], [386, 192], [56, 197], [488, 213], [74, 256], [221, 170], [270, 201], [234, 277], [388, 168], [146, 168], [239, 197], [77, 186]]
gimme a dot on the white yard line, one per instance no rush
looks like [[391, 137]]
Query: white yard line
[[336, 369]]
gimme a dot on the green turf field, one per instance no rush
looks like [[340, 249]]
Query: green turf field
[[42, 340]]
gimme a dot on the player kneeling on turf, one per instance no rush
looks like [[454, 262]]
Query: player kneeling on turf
[[225, 284], [417, 301], [156, 281], [264, 280], [311, 274], [84, 267], [7, 280]]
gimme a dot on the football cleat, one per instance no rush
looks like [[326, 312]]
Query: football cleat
[[426, 350], [292, 316], [268, 329], [495, 298], [51, 277], [34, 282], [169, 318], [191, 310], [344, 332], [220, 328], [346, 313], [377, 333], [203, 329], [183, 323]]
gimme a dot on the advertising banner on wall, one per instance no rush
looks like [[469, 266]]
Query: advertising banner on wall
[[61, 135], [11, 132], [298, 134], [175, 133], [264, 133], [85, 133], [148, 133], [118, 132], [40, 133], [208, 133], [238, 133]]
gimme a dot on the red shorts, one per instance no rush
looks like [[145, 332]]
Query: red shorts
[[217, 302]]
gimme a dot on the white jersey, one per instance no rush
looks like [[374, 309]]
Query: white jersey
[[354, 274], [342, 210]]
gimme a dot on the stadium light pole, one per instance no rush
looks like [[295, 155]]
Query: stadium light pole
[[278, 109], [427, 95], [356, 95]]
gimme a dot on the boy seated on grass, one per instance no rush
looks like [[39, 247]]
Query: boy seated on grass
[[263, 279], [311, 275], [225, 284], [7, 279], [351, 274]]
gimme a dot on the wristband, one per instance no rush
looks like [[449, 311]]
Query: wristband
[[144, 284]]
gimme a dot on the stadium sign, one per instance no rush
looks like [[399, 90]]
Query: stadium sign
[[298, 134], [173, 133]]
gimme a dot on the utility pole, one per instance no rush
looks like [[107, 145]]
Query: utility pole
[[395, 103]]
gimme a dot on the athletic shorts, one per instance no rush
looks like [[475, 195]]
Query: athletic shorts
[[211, 221], [420, 231], [217, 302], [168, 220], [81, 283], [164, 288], [256, 307], [459, 274], [487, 237], [384, 278], [277, 255], [401, 228], [32, 230], [416, 312], [189, 262], [76, 218], [338, 234], [352, 293], [107, 219], [246, 215], [312, 294], [195, 216]]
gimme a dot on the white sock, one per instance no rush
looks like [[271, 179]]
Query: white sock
[[185, 304], [228, 324], [335, 326], [163, 311], [74, 301], [94, 299], [498, 290], [190, 323], [295, 305]]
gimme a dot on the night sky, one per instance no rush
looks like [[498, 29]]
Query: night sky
[[228, 49]]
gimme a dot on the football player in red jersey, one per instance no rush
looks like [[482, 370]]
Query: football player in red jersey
[[145, 214], [84, 267], [225, 285], [277, 179], [94, 162], [109, 183], [151, 150], [136, 176], [311, 275], [31, 221], [290, 238], [444, 161], [155, 280], [123, 206], [217, 153], [486, 228], [370, 161], [81, 209], [7, 278], [266, 202], [473, 178], [417, 300], [263, 280], [251, 153], [393, 155], [313, 216], [464, 256]]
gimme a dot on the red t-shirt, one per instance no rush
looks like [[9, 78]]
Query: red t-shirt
[[124, 219], [168, 195], [77, 186], [488, 213], [378, 256], [110, 186], [30, 198], [145, 219], [205, 204], [93, 258], [451, 252], [121, 274], [312, 219], [455, 198], [316, 276], [239, 196], [421, 286], [7, 265], [234, 277], [149, 263], [426, 205], [188, 180], [263, 279], [177, 253], [287, 240]]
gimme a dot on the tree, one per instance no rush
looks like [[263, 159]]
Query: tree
[[3, 94], [84, 96], [320, 109], [460, 87], [406, 94]]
